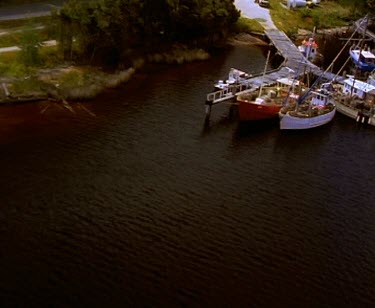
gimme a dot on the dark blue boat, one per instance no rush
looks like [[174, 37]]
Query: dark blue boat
[[363, 59]]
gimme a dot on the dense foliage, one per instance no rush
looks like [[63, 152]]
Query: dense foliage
[[111, 29]]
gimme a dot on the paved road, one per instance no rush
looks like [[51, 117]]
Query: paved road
[[252, 10], [29, 10]]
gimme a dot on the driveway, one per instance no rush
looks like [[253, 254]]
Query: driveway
[[252, 10]]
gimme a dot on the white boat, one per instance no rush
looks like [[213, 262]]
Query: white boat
[[356, 99], [296, 3], [300, 3], [310, 50], [235, 76], [316, 110]]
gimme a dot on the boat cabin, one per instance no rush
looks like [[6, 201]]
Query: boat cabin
[[365, 59], [309, 48], [235, 76], [320, 98], [287, 82], [358, 88]]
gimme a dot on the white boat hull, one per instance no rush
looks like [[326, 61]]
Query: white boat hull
[[354, 114], [290, 122]]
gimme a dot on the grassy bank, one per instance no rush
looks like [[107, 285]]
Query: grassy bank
[[51, 77], [247, 25], [327, 15]]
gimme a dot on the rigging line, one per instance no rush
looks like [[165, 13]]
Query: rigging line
[[303, 60], [342, 67], [264, 73], [301, 99], [342, 49]]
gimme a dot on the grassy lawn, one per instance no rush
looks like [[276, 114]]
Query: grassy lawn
[[327, 15], [11, 31], [13, 38], [8, 57]]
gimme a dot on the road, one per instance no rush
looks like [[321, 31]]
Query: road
[[29, 10], [252, 10]]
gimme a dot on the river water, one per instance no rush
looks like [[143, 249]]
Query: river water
[[131, 201]]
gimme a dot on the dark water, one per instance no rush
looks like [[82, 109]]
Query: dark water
[[140, 206]]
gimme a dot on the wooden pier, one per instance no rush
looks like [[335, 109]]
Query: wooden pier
[[361, 27], [294, 65]]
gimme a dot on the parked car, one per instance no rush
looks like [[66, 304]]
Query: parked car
[[264, 3]]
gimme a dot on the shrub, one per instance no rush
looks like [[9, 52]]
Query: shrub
[[306, 12], [30, 44], [15, 69]]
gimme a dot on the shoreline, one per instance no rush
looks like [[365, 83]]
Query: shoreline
[[50, 85]]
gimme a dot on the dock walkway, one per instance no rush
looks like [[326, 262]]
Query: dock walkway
[[361, 26], [294, 63]]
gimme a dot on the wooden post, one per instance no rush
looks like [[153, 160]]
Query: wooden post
[[231, 111], [5, 89], [208, 111]]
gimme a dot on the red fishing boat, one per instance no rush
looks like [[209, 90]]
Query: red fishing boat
[[267, 103]]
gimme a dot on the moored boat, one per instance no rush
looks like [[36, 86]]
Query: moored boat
[[356, 99], [363, 59], [266, 103], [310, 50], [235, 76], [317, 109], [296, 3]]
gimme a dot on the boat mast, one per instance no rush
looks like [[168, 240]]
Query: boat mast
[[304, 63], [359, 55], [264, 72], [330, 67], [309, 47]]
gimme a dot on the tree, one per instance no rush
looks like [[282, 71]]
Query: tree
[[30, 44], [109, 29]]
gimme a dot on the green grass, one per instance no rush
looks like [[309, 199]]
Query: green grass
[[247, 25], [13, 38], [19, 23], [14, 69], [7, 57], [8, 40], [327, 15], [10, 65], [27, 86], [13, 30], [50, 56]]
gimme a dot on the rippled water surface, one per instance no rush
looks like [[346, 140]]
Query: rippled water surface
[[131, 201]]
